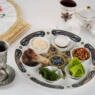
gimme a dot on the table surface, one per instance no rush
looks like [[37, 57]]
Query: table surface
[[43, 14]]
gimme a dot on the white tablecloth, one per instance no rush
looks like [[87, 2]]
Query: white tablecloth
[[42, 14]]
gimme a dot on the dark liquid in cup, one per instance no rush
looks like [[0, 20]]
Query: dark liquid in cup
[[68, 3], [2, 48]]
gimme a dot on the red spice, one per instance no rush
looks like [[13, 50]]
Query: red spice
[[81, 53]]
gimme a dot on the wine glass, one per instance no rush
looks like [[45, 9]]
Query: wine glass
[[68, 9], [87, 15]]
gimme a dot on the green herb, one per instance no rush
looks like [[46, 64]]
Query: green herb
[[48, 74], [76, 68]]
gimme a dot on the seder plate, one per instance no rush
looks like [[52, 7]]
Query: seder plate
[[32, 71]]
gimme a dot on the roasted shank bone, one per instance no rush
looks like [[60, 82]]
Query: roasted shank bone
[[31, 56]]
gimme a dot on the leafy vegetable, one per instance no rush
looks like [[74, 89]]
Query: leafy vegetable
[[76, 69], [49, 74]]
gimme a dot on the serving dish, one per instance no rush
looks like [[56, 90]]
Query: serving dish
[[57, 57]]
